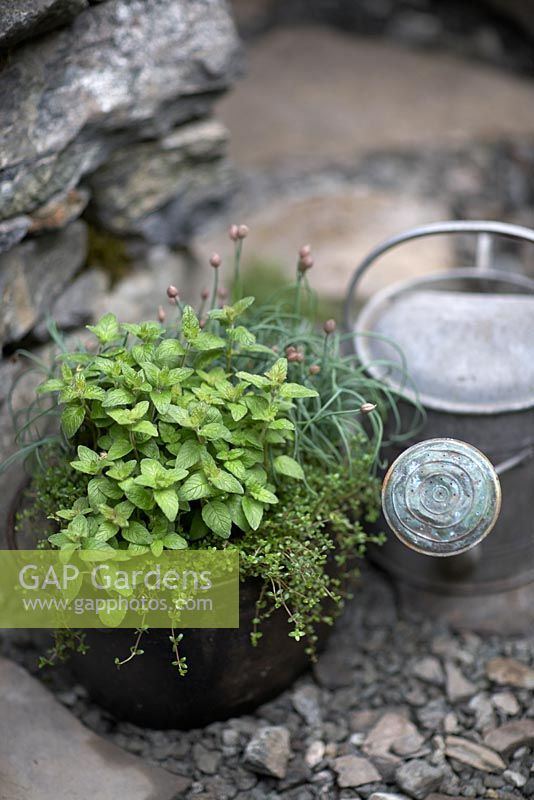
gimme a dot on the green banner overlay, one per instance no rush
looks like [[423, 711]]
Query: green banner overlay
[[83, 589]]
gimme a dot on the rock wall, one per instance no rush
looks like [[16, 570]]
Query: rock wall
[[105, 111]]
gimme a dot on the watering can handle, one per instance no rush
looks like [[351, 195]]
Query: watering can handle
[[484, 229]]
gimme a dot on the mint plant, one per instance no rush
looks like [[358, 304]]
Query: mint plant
[[175, 439], [234, 426]]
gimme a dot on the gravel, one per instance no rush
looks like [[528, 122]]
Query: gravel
[[400, 733]]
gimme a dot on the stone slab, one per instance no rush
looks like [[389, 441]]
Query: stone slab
[[331, 96], [342, 227], [47, 754]]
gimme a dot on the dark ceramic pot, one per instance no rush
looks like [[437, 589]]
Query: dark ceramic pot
[[227, 676]]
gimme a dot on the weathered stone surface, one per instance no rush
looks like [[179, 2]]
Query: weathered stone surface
[[123, 65], [59, 211], [161, 189], [507, 671], [458, 687], [508, 737], [268, 751], [137, 296], [375, 82], [78, 304], [363, 721], [506, 702], [387, 796], [515, 778], [391, 729], [342, 227], [418, 778], [314, 753], [482, 707], [33, 275], [473, 754], [354, 771], [46, 753], [12, 231], [429, 670], [306, 702], [25, 18]]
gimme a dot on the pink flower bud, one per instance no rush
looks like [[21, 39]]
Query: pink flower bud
[[233, 233], [366, 408], [161, 314], [215, 260], [242, 231], [291, 349], [294, 357], [304, 251], [305, 263], [222, 293], [172, 292], [204, 294], [315, 369], [203, 322], [329, 326]]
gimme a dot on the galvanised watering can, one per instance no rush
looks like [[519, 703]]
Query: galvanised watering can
[[461, 343]]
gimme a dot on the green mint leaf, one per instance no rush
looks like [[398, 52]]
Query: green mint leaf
[[253, 512], [107, 329], [295, 390], [217, 518], [71, 420], [285, 465], [195, 487], [167, 500]]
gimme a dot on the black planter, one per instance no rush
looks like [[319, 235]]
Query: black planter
[[227, 676]]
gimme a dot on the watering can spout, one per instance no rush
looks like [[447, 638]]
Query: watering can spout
[[441, 497]]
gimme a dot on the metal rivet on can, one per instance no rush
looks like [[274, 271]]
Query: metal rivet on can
[[441, 497]]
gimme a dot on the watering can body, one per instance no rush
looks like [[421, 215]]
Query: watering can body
[[461, 344]]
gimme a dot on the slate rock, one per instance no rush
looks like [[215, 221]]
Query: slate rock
[[305, 701], [473, 754], [267, 753], [387, 796], [353, 771], [391, 729], [161, 189], [59, 211], [457, 685], [12, 231], [124, 69], [314, 753], [429, 670], [47, 754], [418, 778], [506, 702], [509, 672], [77, 305], [508, 737], [32, 276], [25, 18]]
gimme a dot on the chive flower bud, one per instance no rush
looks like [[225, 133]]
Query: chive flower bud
[[329, 326], [215, 260], [367, 408], [315, 369], [172, 292], [233, 232], [161, 314], [242, 231]]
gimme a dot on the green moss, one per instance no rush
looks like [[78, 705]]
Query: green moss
[[107, 252]]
